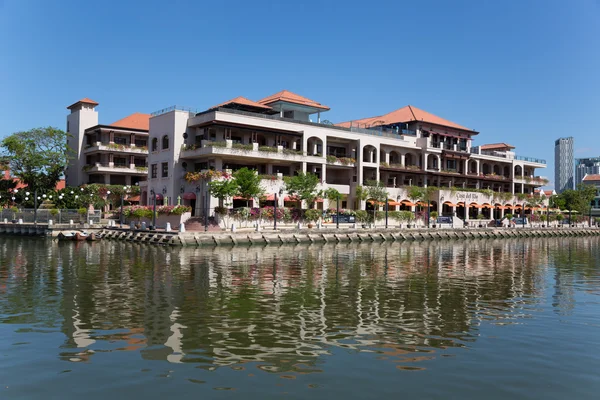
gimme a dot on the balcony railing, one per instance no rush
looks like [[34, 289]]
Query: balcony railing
[[383, 132], [530, 159]]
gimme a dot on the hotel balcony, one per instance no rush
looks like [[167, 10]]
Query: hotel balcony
[[532, 180], [115, 148], [249, 151], [112, 168], [509, 156]]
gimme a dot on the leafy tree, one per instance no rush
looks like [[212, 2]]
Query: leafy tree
[[576, 200], [248, 184], [361, 193], [376, 190], [37, 157], [223, 189], [333, 195], [303, 186]]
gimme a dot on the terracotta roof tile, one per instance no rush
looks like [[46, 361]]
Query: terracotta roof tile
[[134, 121], [496, 146], [290, 97], [591, 177], [404, 114], [243, 101], [84, 100]]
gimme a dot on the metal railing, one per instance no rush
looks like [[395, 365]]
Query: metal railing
[[389, 133], [174, 108], [63, 216], [531, 159]]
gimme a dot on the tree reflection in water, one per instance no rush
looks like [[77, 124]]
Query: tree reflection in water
[[283, 309]]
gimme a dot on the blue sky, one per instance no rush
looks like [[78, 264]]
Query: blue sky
[[522, 72]]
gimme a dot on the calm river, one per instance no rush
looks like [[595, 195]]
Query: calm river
[[480, 319]]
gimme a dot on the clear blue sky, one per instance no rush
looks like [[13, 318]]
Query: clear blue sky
[[522, 72]]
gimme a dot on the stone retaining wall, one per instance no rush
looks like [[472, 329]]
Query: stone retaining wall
[[315, 236]]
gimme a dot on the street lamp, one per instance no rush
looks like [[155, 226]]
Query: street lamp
[[337, 218], [275, 210], [153, 193], [125, 190], [386, 212]]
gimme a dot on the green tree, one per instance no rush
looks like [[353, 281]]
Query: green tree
[[248, 184], [333, 195], [303, 186], [376, 190], [223, 189], [361, 194], [37, 157]]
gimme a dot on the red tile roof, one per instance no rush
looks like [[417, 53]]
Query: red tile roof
[[134, 121], [84, 100], [243, 101], [496, 146], [404, 114], [592, 177], [289, 97]]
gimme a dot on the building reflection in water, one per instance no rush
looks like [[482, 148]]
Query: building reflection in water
[[284, 309]]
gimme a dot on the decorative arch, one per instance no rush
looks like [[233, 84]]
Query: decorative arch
[[395, 157], [485, 168], [506, 171], [314, 145], [369, 154], [473, 167], [496, 169], [518, 170], [410, 160]]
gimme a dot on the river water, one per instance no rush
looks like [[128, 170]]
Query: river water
[[480, 319]]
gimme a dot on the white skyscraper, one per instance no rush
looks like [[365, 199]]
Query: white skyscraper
[[563, 164]]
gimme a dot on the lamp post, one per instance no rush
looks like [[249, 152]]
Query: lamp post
[[35, 199], [386, 213], [275, 213], [570, 216], [153, 193], [337, 211], [590, 217], [428, 207], [125, 190]]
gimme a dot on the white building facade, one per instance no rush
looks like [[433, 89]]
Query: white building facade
[[276, 137], [115, 154]]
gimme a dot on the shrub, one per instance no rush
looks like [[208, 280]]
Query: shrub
[[82, 211], [221, 210], [312, 215], [509, 216], [331, 159], [14, 209], [480, 216], [434, 215], [361, 216], [54, 212]]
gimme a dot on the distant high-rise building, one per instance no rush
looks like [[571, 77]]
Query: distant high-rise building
[[586, 166], [563, 164]]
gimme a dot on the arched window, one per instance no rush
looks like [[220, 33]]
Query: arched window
[[154, 144], [165, 142]]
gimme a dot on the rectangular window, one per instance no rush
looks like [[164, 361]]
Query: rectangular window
[[165, 170], [120, 140], [154, 174]]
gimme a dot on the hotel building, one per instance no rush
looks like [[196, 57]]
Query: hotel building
[[284, 134], [114, 154]]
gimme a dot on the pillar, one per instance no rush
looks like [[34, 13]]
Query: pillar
[[387, 157], [403, 159], [324, 173]]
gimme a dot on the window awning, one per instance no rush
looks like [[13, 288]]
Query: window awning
[[449, 203], [189, 196], [407, 203]]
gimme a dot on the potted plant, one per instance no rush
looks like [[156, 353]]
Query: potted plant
[[408, 217], [434, 215], [14, 210], [559, 219], [480, 217], [543, 219], [311, 215], [361, 216], [82, 214]]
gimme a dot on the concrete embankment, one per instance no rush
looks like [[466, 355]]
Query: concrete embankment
[[335, 236]]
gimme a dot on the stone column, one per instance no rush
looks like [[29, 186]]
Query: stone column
[[387, 157], [403, 159]]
